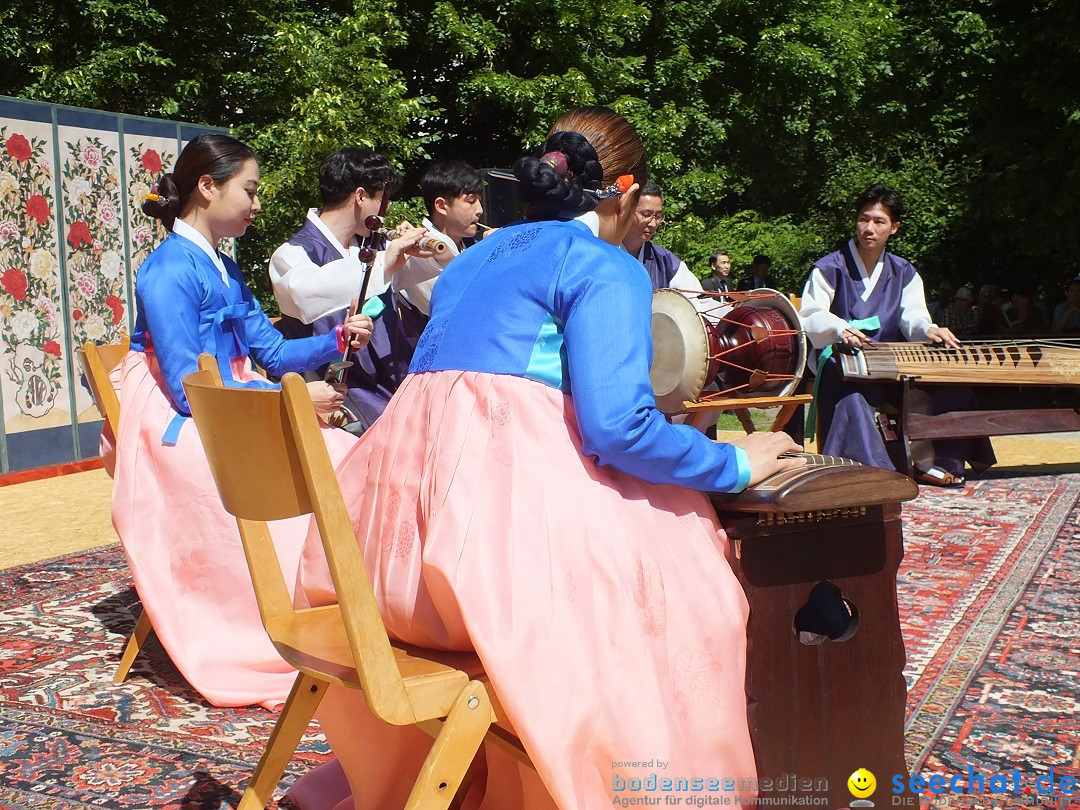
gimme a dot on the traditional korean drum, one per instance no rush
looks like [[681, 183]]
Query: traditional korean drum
[[751, 346]]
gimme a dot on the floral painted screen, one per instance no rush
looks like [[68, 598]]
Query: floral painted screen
[[72, 237]]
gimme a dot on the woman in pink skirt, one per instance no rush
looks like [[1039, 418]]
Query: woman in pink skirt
[[183, 548], [522, 497]]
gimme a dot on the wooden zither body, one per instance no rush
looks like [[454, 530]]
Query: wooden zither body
[[1051, 364], [819, 709], [981, 362]]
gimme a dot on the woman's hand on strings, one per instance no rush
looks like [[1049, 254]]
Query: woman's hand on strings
[[764, 450]]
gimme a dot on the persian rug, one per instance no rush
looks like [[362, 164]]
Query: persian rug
[[988, 594], [988, 602], [69, 738]]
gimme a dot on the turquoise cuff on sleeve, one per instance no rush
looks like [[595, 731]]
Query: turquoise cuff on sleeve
[[744, 469]]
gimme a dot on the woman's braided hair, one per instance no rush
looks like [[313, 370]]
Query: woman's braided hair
[[587, 149]]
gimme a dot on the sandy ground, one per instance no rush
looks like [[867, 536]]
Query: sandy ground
[[55, 516], [58, 516]]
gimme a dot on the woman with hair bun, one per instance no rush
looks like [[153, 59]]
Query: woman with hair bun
[[183, 548], [521, 496]]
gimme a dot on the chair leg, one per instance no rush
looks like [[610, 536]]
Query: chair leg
[[466, 783], [454, 750], [304, 698], [135, 643]]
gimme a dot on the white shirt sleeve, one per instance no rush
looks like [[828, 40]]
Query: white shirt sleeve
[[308, 291], [914, 316], [690, 286], [822, 327], [684, 279], [416, 279]]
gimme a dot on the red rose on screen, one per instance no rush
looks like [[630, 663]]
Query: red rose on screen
[[117, 307], [51, 347], [14, 282], [151, 161], [79, 235], [76, 315], [19, 148], [38, 208]]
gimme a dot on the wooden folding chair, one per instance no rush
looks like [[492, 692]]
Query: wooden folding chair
[[97, 361], [270, 462]]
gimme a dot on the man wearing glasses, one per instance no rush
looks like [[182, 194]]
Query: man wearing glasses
[[664, 267]]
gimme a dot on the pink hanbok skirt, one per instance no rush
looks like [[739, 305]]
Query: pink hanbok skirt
[[603, 607], [184, 549]]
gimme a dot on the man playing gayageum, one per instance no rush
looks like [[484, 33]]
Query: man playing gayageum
[[859, 295]]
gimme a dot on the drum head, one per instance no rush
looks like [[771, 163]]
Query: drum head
[[680, 351]]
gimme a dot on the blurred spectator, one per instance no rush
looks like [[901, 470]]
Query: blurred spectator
[[991, 319], [720, 280], [962, 315], [759, 275], [1067, 313], [944, 298], [1024, 315]]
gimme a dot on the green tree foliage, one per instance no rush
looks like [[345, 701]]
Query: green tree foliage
[[763, 118], [294, 80], [321, 84]]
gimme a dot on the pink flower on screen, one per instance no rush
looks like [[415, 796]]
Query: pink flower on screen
[[91, 156], [87, 284]]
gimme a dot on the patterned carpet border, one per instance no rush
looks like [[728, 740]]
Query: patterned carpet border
[[932, 701], [69, 738]]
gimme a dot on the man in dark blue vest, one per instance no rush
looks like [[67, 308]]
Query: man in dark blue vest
[[317, 274], [859, 295], [664, 267]]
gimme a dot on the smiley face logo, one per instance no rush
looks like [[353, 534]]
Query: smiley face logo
[[862, 783]]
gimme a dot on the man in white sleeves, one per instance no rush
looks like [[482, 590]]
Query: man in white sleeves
[[316, 276], [860, 295], [451, 191]]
